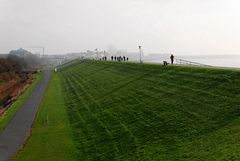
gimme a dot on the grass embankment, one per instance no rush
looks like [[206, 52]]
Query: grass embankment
[[8, 115], [124, 111]]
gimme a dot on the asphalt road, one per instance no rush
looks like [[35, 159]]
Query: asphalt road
[[16, 132]]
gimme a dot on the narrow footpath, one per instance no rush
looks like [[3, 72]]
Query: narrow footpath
[[16, 132]]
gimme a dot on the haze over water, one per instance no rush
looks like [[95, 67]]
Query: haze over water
[[216, 60], [212, 60]]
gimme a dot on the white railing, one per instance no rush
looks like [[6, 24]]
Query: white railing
[[186, 62]]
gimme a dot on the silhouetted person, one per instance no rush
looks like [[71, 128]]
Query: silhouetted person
[[172, 58], [124, 58], [115, 58], [112, 58], [127, 58]]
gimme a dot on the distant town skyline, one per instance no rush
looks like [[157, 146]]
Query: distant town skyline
[[64, 26]]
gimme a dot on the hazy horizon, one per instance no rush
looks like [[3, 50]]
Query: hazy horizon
[[183, 27]]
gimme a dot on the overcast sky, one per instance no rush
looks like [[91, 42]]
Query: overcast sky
[[160, 26]]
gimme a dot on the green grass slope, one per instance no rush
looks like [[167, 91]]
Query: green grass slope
[[127, 111]]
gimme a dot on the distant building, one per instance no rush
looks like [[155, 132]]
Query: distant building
[[25, 58], [20, 52]]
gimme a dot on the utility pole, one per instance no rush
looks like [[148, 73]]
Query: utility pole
[[140, 54], [40, 47], [96, 52], [43, 51]]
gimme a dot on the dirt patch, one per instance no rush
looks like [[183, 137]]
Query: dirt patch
[[14, 79], [11, 90]]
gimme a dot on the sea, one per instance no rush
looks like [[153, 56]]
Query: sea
[[232, 61]]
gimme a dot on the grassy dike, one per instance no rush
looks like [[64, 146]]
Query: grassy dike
[[127, 111], [51, 137], [8, 115]]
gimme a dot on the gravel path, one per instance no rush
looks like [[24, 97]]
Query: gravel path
[[16, 132]]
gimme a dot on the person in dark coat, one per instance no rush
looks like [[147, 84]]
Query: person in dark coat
[[112, 58], [172, 58]]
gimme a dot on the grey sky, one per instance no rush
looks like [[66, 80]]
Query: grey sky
[[178, 26]]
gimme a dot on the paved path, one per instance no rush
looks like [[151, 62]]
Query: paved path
[[16, 132]]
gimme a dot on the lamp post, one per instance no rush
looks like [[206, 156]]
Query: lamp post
[[97, 53], [140, 54]]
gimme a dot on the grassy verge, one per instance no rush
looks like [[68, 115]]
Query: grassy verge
[[51, 137], [129, 111], [7, 116]]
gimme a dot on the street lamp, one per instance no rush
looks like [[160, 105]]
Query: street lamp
[[140, 54], [97, 53]]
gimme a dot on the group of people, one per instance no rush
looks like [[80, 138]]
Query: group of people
[[119, 58], [124, 58], [103, 58], [115, 58]]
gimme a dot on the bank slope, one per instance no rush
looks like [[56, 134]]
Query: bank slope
[[127, 111]]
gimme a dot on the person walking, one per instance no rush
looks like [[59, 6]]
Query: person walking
[[172, 58]]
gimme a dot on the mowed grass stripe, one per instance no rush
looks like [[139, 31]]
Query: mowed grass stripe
[[101, 126], [163, 110], [91, 101]]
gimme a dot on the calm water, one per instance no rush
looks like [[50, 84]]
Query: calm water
[[221, 61]]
